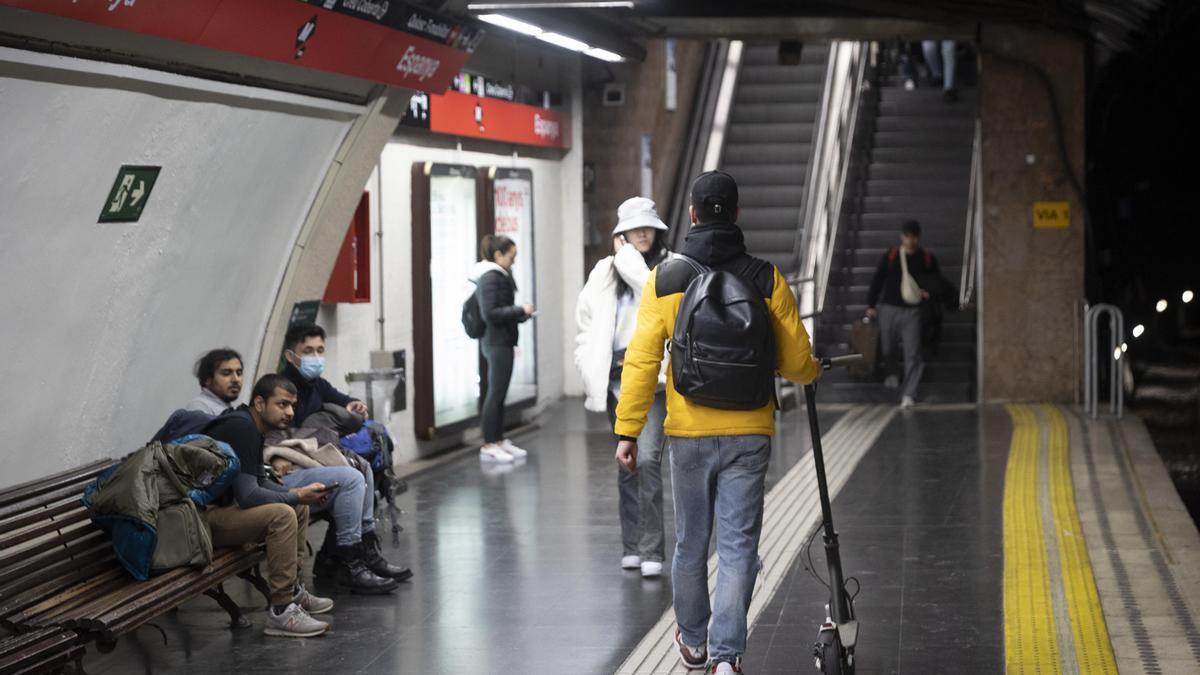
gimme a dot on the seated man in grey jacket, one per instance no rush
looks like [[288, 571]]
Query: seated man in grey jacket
[[220, 375]]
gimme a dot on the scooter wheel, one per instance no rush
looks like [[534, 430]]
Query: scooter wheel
[[832, 662]]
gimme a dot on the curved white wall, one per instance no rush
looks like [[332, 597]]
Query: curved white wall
[[100, 323]]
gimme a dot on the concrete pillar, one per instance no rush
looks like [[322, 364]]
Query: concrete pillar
[[313, 255], [1030, 278]]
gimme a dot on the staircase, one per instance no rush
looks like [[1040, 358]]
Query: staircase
[[918, 165], [768, 142]]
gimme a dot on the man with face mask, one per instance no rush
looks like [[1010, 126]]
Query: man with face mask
[[304, 350]]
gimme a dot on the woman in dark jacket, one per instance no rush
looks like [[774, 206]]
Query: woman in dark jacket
[[497, 291]]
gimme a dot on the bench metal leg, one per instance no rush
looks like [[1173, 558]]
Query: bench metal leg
[[236, 619], [255, 577]]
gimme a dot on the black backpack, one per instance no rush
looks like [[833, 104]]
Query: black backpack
[[723, 349], [472, 317]]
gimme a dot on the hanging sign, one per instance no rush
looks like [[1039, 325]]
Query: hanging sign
[[497, 120], [381, 41]]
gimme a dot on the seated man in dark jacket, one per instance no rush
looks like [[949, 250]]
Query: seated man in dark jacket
[[360, 562], [304, 350], [901, 283], [254, 510]]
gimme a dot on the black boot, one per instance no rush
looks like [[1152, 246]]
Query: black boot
[[353, 573], [325, 563], [373, 556]]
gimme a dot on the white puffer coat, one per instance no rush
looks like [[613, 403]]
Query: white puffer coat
[[596, 317]]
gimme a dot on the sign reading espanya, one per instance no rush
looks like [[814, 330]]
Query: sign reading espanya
[[380, 40]]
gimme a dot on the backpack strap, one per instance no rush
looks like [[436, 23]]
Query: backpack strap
[[891, 255], [698, 267]]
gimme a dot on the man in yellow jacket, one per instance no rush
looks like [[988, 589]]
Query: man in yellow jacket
[[718, 457]]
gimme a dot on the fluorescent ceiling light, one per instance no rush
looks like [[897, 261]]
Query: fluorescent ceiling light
[[1161, 306], [604, 55], [610, 4], [563, 41], [1138, 330], [511, 24], [557, 39]]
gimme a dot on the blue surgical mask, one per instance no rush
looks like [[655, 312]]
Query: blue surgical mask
[[311, 367]]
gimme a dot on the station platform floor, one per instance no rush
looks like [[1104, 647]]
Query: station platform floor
[[990, 539]]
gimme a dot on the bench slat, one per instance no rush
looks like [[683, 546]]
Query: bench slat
[[41, 486], [38, 651], [28, 559], [67, 510], [53, 578]]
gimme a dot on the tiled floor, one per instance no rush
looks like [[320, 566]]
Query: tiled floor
[[516, 569], [516, 572]]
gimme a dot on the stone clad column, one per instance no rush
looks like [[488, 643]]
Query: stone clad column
[[1030, 278]]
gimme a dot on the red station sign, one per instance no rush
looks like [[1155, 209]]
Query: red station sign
[[386, 42], [494, 119]]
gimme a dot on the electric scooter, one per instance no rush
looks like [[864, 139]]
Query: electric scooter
[[834, 649]]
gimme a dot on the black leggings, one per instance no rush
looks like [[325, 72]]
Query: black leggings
[[500, 370]]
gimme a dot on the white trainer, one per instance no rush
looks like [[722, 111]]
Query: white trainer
[[293, 622], [311, 603], [513, 450], [907, 402], [651, 568], [495, 453], [630, 562]]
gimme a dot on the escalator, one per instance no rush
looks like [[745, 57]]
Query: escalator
[[768, 143], [917, 164]]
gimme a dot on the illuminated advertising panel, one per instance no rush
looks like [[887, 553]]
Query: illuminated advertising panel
[[512, 204]]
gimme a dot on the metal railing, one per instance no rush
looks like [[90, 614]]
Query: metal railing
[[716, 68], [1091, 380], [973, 230], [828, 170]]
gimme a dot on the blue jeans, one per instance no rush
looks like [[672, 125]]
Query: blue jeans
[[640, 495], [353, 503], [721, 479]]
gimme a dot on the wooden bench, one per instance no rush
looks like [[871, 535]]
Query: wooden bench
[[59, 575], [40, 651]]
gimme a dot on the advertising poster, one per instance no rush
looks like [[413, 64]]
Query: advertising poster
[[513, 194], [452, 213]]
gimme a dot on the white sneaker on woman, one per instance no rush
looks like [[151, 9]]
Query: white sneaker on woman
[[494, 452], [517, 453], [631, 562]]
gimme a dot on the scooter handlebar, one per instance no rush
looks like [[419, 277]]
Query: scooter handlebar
[[836, 361]]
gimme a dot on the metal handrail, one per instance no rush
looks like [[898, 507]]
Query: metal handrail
[[972, 231], [828, 171], [1091, 380]]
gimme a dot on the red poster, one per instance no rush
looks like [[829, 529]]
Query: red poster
[[286, 31], [497, 120]]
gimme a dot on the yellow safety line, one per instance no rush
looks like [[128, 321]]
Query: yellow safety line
[[1093, 649], [1030, 645]]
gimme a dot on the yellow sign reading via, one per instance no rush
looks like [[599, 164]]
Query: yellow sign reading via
[[1051, 215]]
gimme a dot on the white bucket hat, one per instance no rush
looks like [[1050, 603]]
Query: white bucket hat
[[637, 212]]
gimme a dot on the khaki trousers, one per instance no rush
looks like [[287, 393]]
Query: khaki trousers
[[283, 528]]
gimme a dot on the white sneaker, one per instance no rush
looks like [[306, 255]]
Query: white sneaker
[[651, 568], [293, 622], [311, 603], [631, 562], [907, 402], [513, 450], [494, 452]]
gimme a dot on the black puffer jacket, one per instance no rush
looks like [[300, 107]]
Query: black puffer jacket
[[497, 294]]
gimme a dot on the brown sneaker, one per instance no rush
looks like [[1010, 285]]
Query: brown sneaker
[[693, 658]]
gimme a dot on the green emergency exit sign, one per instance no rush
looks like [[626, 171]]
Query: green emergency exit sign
[[129, 194]]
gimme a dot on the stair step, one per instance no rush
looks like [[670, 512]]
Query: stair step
[[773, 112], [758, 153], [769, 218], [936, 188], [955, 125], [780, 92], [807, 73], [924, 138], [952, 158], [902, 170], [781, 241], [750, 194], [768, 54], [766, 174], [913, 202], [769, 132], [934, 226]]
